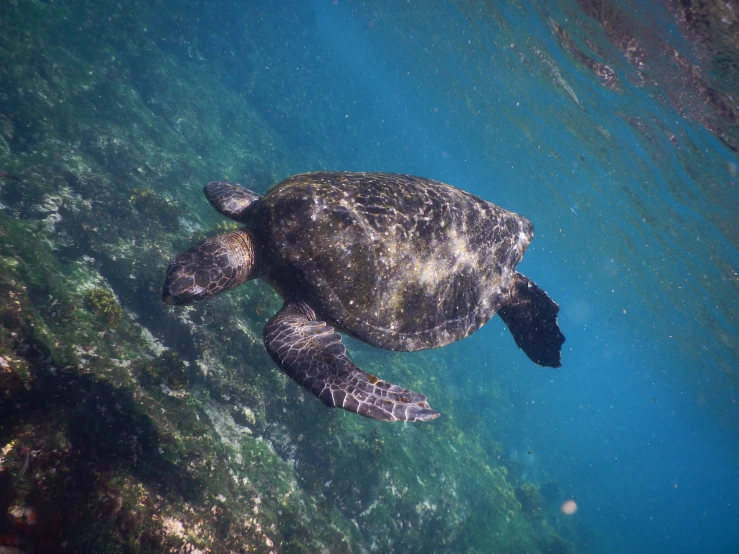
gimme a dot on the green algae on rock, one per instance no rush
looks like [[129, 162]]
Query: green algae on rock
[[168, 369], [103, 303]]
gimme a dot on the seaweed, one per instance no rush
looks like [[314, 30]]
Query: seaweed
[[104, 304]]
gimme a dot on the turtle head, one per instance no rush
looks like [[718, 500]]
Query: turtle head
[[210, 267]]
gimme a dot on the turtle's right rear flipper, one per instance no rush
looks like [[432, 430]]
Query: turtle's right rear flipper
[[312, 354], [531, 316]]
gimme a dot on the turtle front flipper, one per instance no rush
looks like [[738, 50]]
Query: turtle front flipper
[[231, 199], [531, 317], [313, 354]]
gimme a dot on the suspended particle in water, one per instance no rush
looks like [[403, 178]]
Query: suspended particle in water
[[569, 507]]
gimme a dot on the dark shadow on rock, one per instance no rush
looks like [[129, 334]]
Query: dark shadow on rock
[[83, 434]]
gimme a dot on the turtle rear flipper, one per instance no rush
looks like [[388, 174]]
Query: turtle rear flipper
[[313, 354], [531, 316], [231, 199]]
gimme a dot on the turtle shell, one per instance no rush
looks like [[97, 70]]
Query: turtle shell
[[400, 262]]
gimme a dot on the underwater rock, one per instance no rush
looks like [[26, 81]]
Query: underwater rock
[[104, 304], [167, 369], [528, 495], [154, 206], [507, 503]]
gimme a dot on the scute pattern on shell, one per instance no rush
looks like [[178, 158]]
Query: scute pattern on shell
[[401, 262]]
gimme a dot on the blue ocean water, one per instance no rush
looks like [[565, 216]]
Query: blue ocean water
[[634, 204], [593, 119]]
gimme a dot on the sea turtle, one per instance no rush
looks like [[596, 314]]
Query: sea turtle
[[399, 262]]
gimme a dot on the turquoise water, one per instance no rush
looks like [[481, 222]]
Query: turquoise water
[[636, 237], [628, 174]]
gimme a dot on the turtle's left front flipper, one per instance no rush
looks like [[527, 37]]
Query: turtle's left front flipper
[[312, 354]]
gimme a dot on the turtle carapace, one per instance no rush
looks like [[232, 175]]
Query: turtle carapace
[[399, 262]]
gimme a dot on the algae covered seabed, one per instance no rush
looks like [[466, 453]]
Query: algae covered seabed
[[130, 426], [127, 426]]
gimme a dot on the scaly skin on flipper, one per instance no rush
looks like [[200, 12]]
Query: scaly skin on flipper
[[312, 354]]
